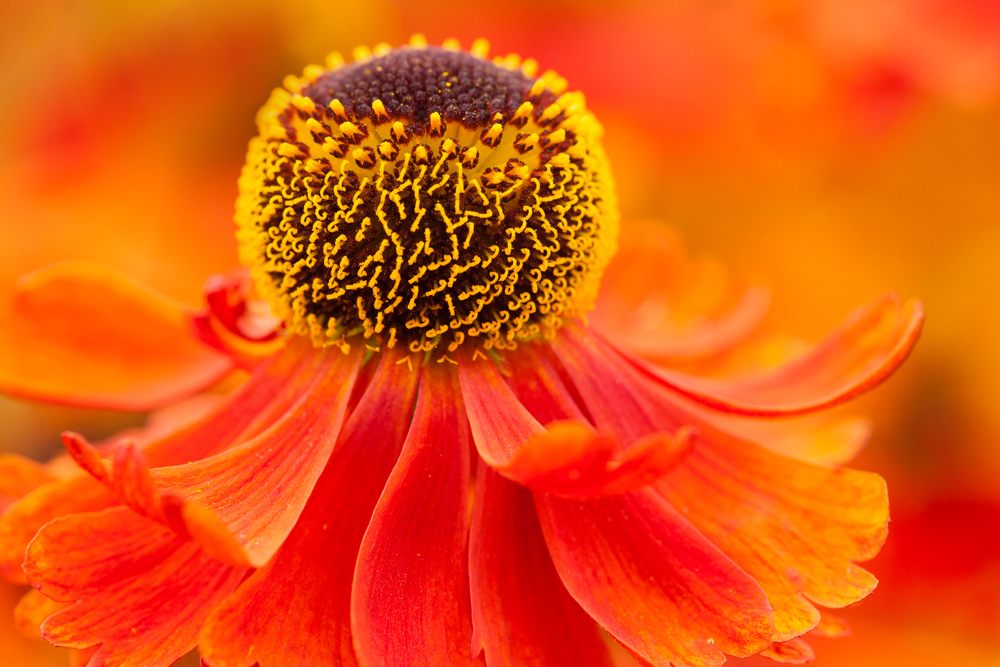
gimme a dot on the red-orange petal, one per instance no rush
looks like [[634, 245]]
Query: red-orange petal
[[84, 334], [522, 613], [18, 477], [274, 386], [653, 581], [568, 458], [853, 358], [791, 652], [296, 609], [795, 527], [254, 491], [410, 601], [25, 518], [141, 592]]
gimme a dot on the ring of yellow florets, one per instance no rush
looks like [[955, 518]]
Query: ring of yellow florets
[[472, 203]]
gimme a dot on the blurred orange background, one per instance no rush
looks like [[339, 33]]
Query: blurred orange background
[[837, 148]]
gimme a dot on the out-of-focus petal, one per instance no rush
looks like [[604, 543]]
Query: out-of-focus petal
[[522, 613], [791, 652], [18, 477], [822, 440], [796, 528], [81, 333], [296, 609], [410, 602], [568, 458], [653, 581], [660, 304], [242, 503], [141, 592], [853, 358], [274, 386], [32, 610], [831, 626]]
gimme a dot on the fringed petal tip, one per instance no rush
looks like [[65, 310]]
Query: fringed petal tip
[[130, 478], [82, 333], [571, 460]]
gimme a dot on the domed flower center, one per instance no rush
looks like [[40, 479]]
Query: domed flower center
[[429, 197]]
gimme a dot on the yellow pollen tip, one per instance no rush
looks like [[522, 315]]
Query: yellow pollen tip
[[480, 48], [451, 44], [334, 60], [418, 41], [362, 54]]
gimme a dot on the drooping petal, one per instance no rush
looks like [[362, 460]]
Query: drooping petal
[[140, 591], [242, 503], [795, 527], [18, 477], [295, 611], [653, 581], [25, 518], [568, 458], [410, 601], [522, 613], [82, 333], [855, 357], [791, 652]]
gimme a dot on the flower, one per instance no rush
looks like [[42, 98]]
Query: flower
[[430, 228]]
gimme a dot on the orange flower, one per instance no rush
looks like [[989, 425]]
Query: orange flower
[[430, 228]]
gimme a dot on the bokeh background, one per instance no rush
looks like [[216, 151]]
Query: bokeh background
[[836, 148]]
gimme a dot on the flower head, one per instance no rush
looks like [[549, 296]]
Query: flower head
[[428, 227], [426, 195]]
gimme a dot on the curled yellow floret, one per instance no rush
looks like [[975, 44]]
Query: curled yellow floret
[[426, 196]]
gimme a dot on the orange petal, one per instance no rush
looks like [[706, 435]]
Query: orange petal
[[410, 602], [296, 609], [18, 477], [653, 581], [796, 528], [521, 612], [33, 609], [141, 592], [791, 652], [855, 357], [567, 458], [83, 334], [26, 517], [663, 306]]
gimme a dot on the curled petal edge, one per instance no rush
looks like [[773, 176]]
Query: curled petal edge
[[571, 460], [845, 364]]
